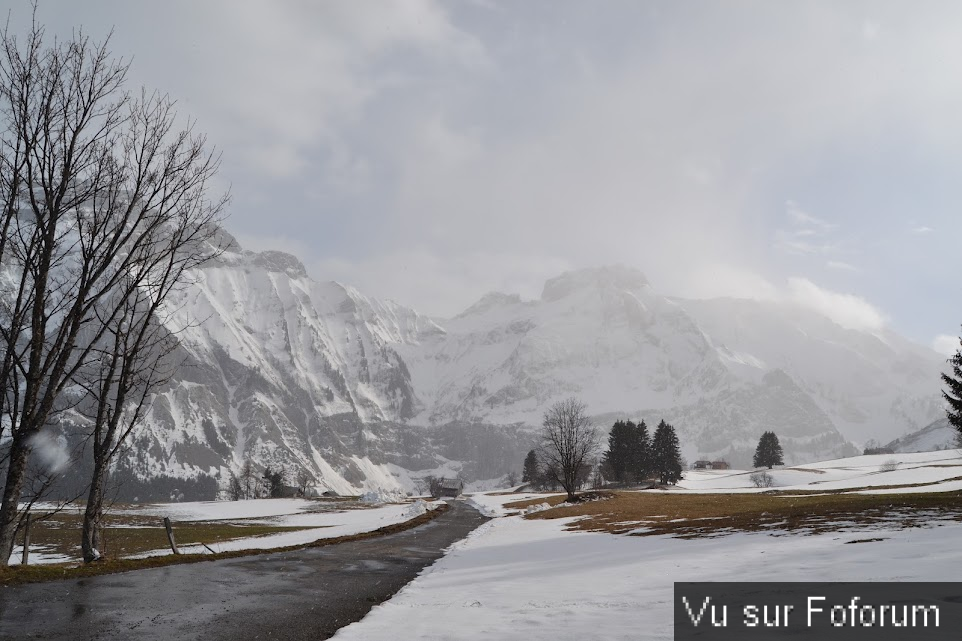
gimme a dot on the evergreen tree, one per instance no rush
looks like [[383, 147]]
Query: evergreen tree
[[769, 451], [953, 396], [640, 453], [531, 471], [618, 457], [275, 482], [666, 457]]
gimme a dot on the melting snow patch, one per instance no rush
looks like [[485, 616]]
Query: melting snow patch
[[417, 508], [380, 495], [485, 510], [540, 507]]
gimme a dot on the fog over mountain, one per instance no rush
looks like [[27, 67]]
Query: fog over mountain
[[364, 393]]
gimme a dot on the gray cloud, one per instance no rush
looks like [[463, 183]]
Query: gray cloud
[[432, 151]]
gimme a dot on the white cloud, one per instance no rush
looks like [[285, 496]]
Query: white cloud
[[946, 344], [443, 285], [841, 265], [848, 310], [271, 82], [479, 146], [807, 235], [724, 280], [922, 229], [800, 217]]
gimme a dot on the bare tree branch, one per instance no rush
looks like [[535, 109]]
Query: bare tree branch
[[104, 211], [568, 440]]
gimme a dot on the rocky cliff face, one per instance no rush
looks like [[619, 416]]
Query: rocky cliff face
[[365, 393]]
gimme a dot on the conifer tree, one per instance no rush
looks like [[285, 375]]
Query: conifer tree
[[769, 451], [618, 457], [640, 455], [531, 471], [666, 457], [953, 396]]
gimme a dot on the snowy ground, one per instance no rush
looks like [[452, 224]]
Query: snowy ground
[[323, 520], [532, 579], [322, 525], [934, 468]]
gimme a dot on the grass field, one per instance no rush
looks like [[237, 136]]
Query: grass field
[[701, 515], [126, 535], [132, 530]]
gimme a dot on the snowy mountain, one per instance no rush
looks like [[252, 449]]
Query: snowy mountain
[[871, 385], [723, 370], [939, 435], [300, 374], [366, 393]]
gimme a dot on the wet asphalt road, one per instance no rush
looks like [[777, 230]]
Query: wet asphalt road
[[304, 594]]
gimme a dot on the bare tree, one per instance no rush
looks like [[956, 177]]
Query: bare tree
[[304, 480], [248, 479], [135, 359], [568, 440], [234, 490], [103, 208], [420, 485]]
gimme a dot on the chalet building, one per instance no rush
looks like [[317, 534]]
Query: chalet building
[[451, 488], [711, 465]]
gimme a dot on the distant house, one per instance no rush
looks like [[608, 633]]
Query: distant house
[[451, 487], [710, 465]]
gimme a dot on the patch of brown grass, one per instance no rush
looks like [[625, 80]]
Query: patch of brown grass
[[128, 535], [18, 574], [698, 515]]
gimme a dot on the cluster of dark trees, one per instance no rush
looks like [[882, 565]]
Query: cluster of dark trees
[[104, 209], [271, 483], [768, 453], [547, 478], [569, 443], [634, 457]]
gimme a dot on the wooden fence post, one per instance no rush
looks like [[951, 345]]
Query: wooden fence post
[[26, 540], [170, 535]]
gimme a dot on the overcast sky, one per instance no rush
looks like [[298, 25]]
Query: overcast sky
[[430, 152]]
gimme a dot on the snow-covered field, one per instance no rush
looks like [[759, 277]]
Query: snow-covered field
[[532, 579], [934, 468], [321, 525], [321, 520]]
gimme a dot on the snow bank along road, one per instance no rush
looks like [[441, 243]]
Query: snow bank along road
[[304, 594]]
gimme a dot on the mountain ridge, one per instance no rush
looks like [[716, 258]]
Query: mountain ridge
[[314, 375]]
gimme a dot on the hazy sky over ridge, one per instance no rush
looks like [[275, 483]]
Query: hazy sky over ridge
[[433, 151]]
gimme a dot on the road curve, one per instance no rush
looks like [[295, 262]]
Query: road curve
[[302, 594]]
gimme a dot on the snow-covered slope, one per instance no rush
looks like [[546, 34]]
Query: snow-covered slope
[[723, 371], [281, 369], [939, 435], [872, 385], [359, 392]]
